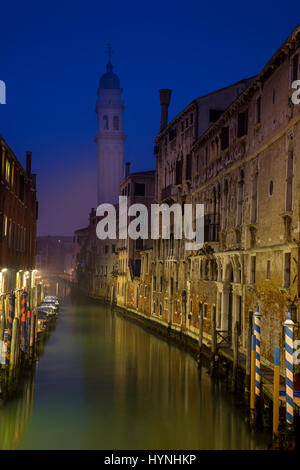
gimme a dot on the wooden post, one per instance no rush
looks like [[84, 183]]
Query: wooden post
[[14, 344], [11, 315], [2, 327], [200, 338], [6, 308], [252, 384], [213, 335], [276, 391], [248, 356], [235, 354]]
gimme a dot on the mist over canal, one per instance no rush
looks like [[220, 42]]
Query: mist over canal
[[105, 383]]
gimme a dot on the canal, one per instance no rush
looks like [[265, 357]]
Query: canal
[[103, 382]]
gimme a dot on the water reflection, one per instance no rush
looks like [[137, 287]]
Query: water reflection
[[105, 383], [15, 415]]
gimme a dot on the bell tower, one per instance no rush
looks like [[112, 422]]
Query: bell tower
[[110, 137]]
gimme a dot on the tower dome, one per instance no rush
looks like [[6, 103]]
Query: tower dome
[[109, 80]]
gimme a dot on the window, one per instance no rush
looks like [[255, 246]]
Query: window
[[105, 122], [240, 199], [154, 283], [116, 123], [289, 182], [206, 155], [243, 123], [22, 188], [205, 311], [274, 96], [199, 309], [161, 284], [225, 138], [178, 172], [139, 245], [268, 269], [106, 249], [258, 110], [137, 268], [287, 269], [214, 114], [252, 269], [254, 198], [225, 207], [192, 118], [7, 170], [189, 166], [139, 189], [172, 134], [295, 67], [271, 187], [4, 226], [113, 248]]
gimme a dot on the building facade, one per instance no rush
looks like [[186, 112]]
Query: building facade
[[236, 151], [54, 254], [18, 216]]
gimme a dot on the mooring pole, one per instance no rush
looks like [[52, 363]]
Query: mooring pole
[[252, 381], [289, 381], [28, 330], [276, 391], [200, 338], [235, 354], [257, 322], [10, 318], [14, 345], [214, 336]]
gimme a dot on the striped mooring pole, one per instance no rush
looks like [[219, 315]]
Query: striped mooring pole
[[276, 390], [289, 380], [252, 377], [23, 321], [10, 319], [257, 320]]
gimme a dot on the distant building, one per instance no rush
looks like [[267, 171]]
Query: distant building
[[139, 187], [54, 254], [18, 216]]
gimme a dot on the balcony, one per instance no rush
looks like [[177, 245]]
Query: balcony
[[168, 192]]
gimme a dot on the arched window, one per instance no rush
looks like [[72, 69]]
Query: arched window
[[105, 122], [116, 123]]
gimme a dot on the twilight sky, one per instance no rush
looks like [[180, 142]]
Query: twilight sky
[[52, 55]]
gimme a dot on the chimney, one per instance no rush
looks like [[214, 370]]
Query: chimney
[[165, 97], [127, 169], [33, 180], [28, 163]]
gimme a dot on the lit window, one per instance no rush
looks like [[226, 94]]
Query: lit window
[[7, 171]]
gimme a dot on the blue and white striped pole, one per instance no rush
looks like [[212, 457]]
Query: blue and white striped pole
[[257, 319], [289, 380]]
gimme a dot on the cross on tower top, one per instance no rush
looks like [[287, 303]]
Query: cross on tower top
[[109, 51]]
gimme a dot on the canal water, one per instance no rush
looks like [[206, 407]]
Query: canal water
[[103, 382]]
